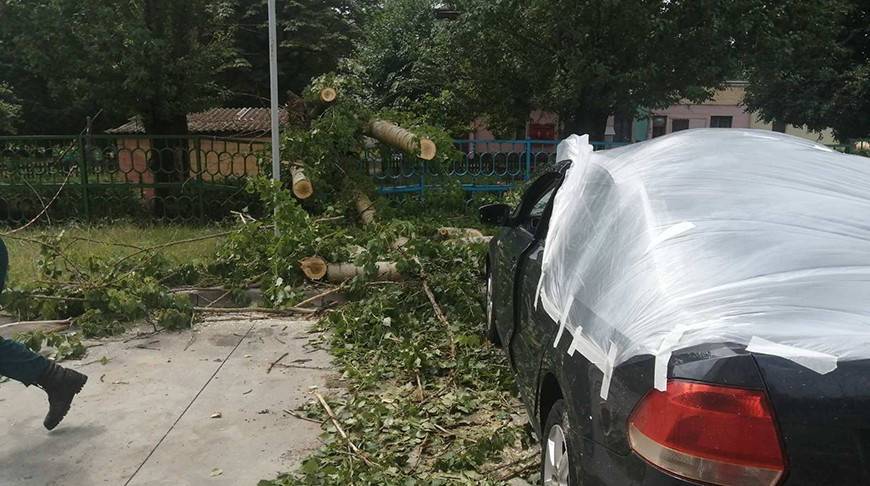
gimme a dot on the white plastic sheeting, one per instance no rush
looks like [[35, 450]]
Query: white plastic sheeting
[[714, 235]]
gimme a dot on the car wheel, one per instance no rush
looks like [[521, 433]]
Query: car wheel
[[556, 449], [491, 329]]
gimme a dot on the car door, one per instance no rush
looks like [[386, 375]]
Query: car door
[[511, 246], [533, 328]]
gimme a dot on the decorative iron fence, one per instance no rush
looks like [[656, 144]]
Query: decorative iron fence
[[480, 166], [202, 178], [167, 178]]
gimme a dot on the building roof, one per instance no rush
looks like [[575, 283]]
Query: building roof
[[236, 121]]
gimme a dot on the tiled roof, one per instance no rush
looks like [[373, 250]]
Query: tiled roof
[[238, 121]]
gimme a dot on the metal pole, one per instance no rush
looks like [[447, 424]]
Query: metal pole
[[84, 148], [273, 82]]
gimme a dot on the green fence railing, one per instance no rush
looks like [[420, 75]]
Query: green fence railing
[[196, 178], [167, 178]]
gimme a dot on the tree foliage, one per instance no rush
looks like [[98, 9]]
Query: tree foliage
[[154, 58], [809, 64], [408, 59], [589, 59], [419, 413], [313, 35], [160, 59], [10, 109]]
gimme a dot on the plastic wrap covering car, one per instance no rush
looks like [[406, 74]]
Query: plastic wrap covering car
[[741, 236]]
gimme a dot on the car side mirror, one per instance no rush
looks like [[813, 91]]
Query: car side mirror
[[495, 214]]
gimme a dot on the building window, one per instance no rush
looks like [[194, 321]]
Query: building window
[[542, 131], [659, 126], [678, 125], [622, 128], [720, 122]]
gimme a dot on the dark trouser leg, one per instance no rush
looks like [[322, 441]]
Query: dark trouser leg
[[19, 363]]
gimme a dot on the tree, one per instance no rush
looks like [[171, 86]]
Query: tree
[[586, 60], [66, 59], [408, 59], [313, 35], [10, 109], [156, 59], [41, 111], [808, 64], [153, 58]]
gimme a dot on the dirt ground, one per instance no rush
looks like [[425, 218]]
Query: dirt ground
[[189, 408]]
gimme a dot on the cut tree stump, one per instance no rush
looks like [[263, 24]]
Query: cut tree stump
[[311, 105], [328, 95], [302, 187], [397, 137], [313, 267]]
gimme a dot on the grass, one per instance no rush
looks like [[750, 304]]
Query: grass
[[106, 241]]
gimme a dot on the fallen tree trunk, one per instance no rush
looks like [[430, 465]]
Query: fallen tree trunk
[[399, 243], [316, 268], [448, 232], [44, 324], [397, 137], [263, 310], [470, 240], [339, 272], [302, 187], [365, 208], [7, 331]]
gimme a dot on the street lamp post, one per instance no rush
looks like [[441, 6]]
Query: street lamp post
[[273, 92]]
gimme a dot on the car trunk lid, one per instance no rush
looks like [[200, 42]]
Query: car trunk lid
[[824, 420]]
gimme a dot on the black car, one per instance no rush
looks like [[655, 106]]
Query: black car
[[728, 416]]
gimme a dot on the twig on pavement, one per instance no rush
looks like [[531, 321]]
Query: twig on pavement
[[272, 365]]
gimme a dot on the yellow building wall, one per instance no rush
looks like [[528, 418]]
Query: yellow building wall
[[824, 137], [733, 95]]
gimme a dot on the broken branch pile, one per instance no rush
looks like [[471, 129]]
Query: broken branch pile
[[426, 395]]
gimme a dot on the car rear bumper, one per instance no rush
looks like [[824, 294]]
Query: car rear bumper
[[602, 466]]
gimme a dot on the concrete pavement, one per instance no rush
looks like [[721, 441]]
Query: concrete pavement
[[145, 417]]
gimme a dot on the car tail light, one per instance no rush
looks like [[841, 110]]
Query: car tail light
[[714, 434]]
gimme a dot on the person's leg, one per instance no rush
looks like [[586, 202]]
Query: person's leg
[[21, 364], [61, 384]]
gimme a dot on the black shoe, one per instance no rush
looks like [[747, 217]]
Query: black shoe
[[61, 385]]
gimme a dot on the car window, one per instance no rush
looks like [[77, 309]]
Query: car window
[[534, 218], [539, 207], [535, 202]]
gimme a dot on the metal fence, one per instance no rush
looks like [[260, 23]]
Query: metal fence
[[168, 178], [200, 178], [478, 166]]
